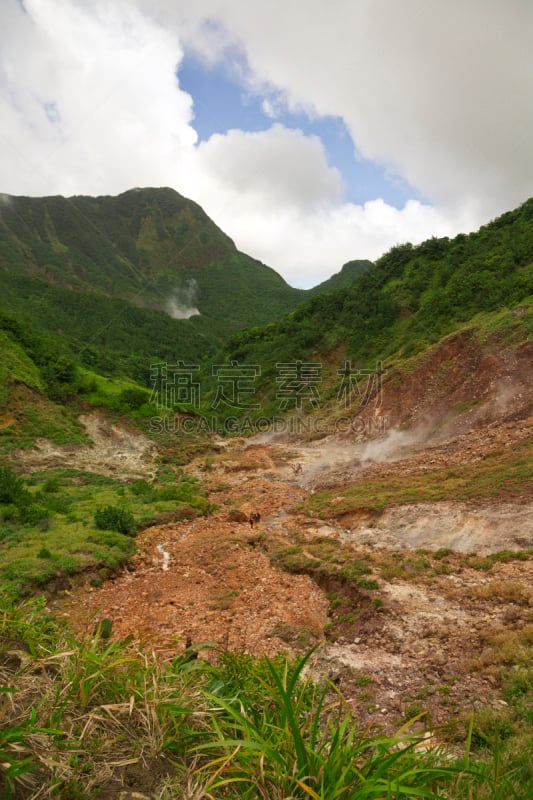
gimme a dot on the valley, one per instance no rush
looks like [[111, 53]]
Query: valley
[[429, 638], [151, 637]]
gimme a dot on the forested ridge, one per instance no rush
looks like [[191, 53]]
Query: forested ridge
[[153, 641], [411, 297]]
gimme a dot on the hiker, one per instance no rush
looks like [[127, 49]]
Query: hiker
[[252, 520], [189, 654], [257, 517]]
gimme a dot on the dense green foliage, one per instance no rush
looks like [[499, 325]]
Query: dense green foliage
[[348, 274], [17, 504], [99, 271], [410, 298], [111, 518], [92, 243], [12, 488], [58, 371], [107, 334]]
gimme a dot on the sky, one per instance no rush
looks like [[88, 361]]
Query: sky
[[313, 132]]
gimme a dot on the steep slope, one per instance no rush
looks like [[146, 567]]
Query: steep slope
[[348, 274], [398, 307], [144, 245], [91, 261]]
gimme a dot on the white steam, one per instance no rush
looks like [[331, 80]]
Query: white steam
[[182, 303], [395, 445], [507, 397]]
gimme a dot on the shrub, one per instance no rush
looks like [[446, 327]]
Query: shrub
[[9, 512], [12, 489], [140, 488], [51, 485], [134, 398], [16, 496], [33, 514], [112, 518], [367, 583]]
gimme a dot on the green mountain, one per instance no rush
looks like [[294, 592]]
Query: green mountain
[[151, 247], [111, 286], [84, 283], [409, 299], [99, 272], [348, 274]]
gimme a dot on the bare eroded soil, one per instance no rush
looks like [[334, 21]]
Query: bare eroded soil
[[428, 642], [115, 450]]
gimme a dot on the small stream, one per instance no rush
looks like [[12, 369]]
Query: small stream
[[166, 556]]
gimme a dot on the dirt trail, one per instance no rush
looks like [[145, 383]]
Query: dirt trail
[[212, 580], [206, 579]]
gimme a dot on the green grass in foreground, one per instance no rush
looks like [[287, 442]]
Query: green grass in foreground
[[503, 472], [83, 717]]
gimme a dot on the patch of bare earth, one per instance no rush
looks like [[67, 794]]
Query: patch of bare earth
[[116, 450], [435, 652], [425, 646]]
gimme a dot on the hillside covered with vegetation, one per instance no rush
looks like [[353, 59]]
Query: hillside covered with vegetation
[[144, 245], [93, 495], [412, 297], [99, 271]]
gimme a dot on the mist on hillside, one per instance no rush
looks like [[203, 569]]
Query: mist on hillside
[[182, 303], [335, 459], [395, 445]]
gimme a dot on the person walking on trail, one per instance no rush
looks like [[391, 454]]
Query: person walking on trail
[[252, 520]]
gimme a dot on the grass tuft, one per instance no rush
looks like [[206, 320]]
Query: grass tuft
[[83, 716]]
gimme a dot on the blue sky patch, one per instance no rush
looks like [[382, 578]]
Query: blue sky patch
[[221, 103]]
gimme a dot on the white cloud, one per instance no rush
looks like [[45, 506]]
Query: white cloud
[[275, 194], [89, 100], [269, 108], [438, 92], [278, 167], [303, 246]]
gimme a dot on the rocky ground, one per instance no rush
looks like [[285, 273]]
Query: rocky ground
[[115, 449], [429, 640]]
